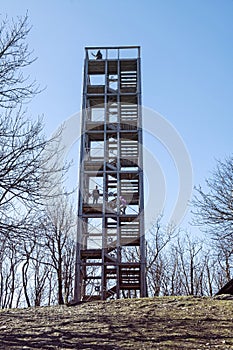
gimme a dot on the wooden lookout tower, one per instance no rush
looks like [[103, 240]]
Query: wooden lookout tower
[[110, 260]]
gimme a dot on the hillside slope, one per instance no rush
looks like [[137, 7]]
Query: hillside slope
[[149, 323]]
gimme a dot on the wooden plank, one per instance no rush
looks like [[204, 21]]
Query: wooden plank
[[91, 253]]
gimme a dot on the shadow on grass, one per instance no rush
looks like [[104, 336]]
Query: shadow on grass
[[103, 329]]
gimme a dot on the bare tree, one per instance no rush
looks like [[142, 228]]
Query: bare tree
[[188, 251], [10, 281], [210, 268], [159, 238], [40, 276], [29, 171], [15, 86], [213, 211], [59, 240], [25, 178], [28, 161]]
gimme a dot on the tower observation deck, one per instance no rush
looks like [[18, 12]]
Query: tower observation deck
[[110, 259]]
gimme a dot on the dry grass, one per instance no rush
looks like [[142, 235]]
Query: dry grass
[[149, 323]]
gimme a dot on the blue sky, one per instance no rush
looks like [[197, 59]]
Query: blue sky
[[187, 56]]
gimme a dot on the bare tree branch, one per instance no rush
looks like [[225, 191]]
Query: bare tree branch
[[15, 56]]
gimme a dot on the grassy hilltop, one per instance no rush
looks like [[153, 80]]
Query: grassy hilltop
[[148, 323]]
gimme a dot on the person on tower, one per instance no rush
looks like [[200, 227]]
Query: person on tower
[[98, 55], [123, 205], [95, 194]]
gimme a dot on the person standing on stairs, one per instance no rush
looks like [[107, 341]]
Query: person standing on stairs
[[123, 205], [95, 194]]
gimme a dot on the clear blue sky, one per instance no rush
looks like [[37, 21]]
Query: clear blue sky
[[187, 62]]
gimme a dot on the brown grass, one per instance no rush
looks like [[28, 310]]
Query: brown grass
[[149, 323]]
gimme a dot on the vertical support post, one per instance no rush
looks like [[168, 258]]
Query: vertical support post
[[78, 262], [143, 291], [104, 240]]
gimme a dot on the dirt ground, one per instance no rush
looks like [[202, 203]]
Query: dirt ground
[[148, 323]]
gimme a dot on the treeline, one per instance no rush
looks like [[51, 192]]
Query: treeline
[[178, 263], [36, 251], [38, 269]]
